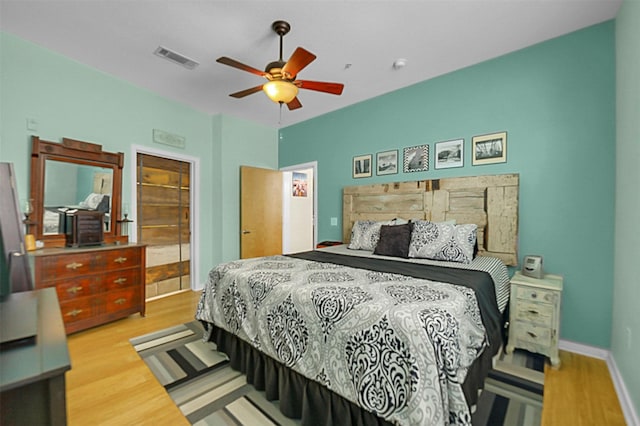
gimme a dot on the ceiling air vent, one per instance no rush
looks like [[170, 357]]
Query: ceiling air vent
[[177, 58]]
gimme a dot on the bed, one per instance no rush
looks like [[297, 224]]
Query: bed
[[352, 334]]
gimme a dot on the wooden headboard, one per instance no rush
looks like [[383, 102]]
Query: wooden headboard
[[491, 202]]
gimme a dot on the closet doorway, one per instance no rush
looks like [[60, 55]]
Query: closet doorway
[[163, 204]]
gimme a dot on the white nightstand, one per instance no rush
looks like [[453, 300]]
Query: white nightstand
[[534, 315]]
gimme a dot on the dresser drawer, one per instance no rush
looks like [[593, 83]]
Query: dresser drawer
[[122, 300], [537, 313], [535, 294], [77, 310], [68, 267], [122, 279], [79, 287], [123, 258], [530, 333]]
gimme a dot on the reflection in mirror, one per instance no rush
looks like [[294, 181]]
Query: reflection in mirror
[[75, 186]]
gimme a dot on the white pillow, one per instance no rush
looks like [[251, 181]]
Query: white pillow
[[443, 241], [92, 201]]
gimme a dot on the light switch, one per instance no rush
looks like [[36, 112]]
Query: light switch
[[334, 221], [32, 124]]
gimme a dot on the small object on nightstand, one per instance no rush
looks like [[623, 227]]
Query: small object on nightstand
[[535, 315], [532, 267]]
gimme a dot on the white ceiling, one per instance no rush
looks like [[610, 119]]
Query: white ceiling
[[356, 42]]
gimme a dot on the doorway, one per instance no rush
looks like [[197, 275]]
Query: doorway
[[299, 211], [277, 210], [163, 221]]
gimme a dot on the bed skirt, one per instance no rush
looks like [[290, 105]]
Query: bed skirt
[[305, 399], [299, 397]]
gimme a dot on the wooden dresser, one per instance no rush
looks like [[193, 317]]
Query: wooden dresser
[[95, 285]]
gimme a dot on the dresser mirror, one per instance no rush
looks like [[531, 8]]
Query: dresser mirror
[[73, 175]]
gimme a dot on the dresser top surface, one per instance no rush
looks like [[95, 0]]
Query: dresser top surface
[[79, 250], [48, 356], [550, 281]]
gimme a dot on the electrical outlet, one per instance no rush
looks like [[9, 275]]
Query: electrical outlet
[[628, 337], [334, 221]]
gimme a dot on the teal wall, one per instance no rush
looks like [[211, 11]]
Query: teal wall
[[625, 338], [556, 100], [262, 153], [68, 99]]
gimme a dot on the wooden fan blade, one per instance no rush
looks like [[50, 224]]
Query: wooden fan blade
[[235, 64], [294, 104], [246, 92], [320, 86], [300, 59]]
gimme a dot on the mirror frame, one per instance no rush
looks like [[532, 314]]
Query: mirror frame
[[78, 152]]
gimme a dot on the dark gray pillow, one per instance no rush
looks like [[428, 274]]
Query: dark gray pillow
[[394, 240]]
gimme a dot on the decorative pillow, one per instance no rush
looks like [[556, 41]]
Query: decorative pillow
[[394, 240], [364, 235], [443, 241], [92, 201]]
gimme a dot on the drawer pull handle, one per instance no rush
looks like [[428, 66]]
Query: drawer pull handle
[[121, 301], [532, 334], [74, 290], [74, 313], [74, 265], [534, 295], [120, 281], [120, 259], [533, 312]]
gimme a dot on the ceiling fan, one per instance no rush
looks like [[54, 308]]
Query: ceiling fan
[[283, 86]]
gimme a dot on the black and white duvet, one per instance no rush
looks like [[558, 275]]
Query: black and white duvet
[[396, 345]]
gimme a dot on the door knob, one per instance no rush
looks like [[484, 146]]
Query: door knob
[[246, 231]]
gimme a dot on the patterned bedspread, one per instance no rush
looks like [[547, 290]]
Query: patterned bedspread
[[397, 346]]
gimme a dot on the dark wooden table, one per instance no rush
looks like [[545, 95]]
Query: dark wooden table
[[32, 374]]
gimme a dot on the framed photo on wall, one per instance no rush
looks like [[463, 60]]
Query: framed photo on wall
[[489, 149], [387, 162], [416, 159], [362, 166], [299, 184], [449, 154]]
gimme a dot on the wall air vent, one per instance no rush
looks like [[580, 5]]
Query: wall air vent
[[174, 57]]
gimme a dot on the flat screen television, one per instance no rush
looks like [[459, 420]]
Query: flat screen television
[[5, 283], [15, 274], [18, 305]]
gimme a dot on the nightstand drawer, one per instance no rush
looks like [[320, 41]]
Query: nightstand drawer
[[535, 294], [530, 333], [537, 313]]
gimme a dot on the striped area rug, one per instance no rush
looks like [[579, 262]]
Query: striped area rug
[[209, 392]]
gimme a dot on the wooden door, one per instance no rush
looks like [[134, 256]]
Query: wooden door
[[260, 212], [163, 206]]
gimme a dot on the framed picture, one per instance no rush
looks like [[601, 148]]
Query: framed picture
[[362, 166], [387, 162], [489, 149], [299, 184], [449, 154], [416, 159]]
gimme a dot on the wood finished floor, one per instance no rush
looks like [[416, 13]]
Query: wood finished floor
[[110, 385]]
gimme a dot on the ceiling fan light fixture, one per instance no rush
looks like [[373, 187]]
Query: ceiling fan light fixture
[[280, 91]]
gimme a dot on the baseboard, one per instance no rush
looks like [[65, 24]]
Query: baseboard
[[628, 409], [582, 349]]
